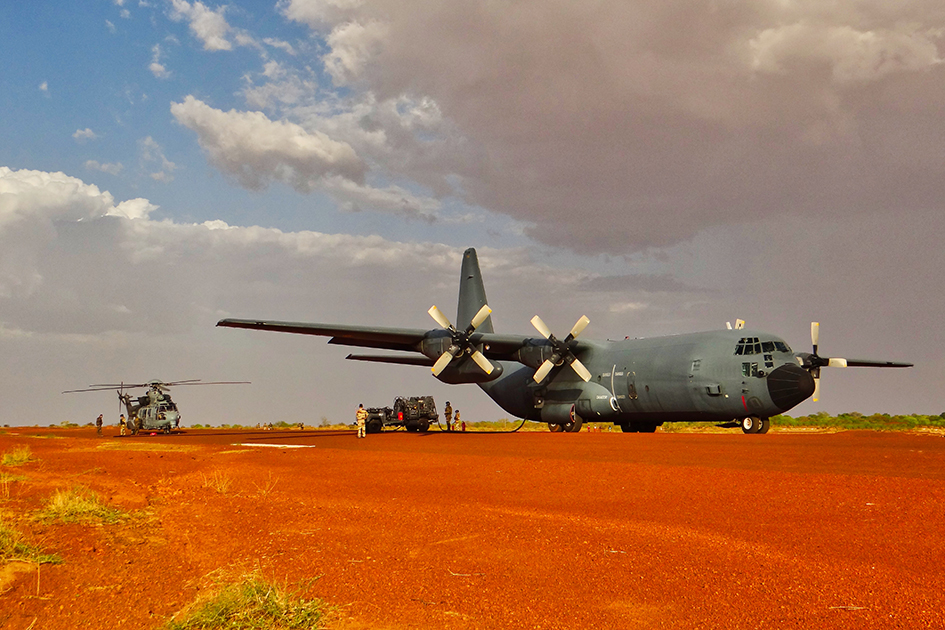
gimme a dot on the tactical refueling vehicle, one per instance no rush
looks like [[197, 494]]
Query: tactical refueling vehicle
[[416, 413]]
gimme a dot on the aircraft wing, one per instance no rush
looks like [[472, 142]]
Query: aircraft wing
[[404, 339], [494, 346], [880, 364]]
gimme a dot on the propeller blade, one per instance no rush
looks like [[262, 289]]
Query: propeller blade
[[542, 371], [739, 324], [441, 363], [815, 335], [482, 362], [581, 370], [728, 325], [440, 318], [480, 317], [836, 362], [540, 327], [579, 326], [816, 395]]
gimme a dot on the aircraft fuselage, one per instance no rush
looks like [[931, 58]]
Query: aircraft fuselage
[[708, 376]]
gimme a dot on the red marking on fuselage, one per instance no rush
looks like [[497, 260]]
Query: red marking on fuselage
[[744, 404]]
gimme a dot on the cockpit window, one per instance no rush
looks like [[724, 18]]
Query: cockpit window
[[753, 345]]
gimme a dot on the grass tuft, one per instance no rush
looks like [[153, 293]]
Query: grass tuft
[[6, 482], [12, 548], [218, 481], [17, 457], [78, 504], [249, 604]]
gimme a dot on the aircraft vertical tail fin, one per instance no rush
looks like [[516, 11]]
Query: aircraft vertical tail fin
[[472, 293]]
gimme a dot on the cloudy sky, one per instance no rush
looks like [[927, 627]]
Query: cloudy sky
[[660, 167]]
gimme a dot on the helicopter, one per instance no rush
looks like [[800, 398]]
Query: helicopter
[[154, 411]]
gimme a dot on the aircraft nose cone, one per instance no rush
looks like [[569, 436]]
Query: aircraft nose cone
[[789, 385]]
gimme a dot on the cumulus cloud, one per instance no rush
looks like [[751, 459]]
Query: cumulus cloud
[[257, 150], [84, 134], [207, 25], [622, 126]]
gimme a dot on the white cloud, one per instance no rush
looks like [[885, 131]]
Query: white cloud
[[257, 150], [44, 88], [207, 25], [352, 46], [280, 44], [156, 67], [152, 153], [112, 168], [82, 135], [111, 27]]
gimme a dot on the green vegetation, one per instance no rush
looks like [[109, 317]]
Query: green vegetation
[[78, 504], [17, 457], [856, 420], [13, 548], [251, 603]]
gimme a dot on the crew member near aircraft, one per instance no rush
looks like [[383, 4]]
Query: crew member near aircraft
[[98, 424], [361, 417], [448, 413], [122, 424]]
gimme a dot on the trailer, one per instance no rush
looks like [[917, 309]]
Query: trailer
[[415, 413]]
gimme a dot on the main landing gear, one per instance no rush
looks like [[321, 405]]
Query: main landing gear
[[638, 426], [755, 425]]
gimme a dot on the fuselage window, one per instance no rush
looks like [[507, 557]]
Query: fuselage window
[[782, 347], [769, 361], [696, 364]]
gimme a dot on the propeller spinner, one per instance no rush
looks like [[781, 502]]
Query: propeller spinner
[[813, 362], [562, 351], [460, 342]]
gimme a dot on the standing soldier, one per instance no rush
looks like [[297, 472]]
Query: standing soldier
[[122, 424], [98, 424], [448, 412], [461, 424], [361, 417]]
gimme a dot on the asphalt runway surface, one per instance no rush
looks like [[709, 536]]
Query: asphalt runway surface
[[541, 530]]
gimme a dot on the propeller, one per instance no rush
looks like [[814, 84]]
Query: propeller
[[739, 324], [562, 351], [460, 342], [813, 362]]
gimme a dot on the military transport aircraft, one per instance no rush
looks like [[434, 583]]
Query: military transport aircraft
[[719, 376]]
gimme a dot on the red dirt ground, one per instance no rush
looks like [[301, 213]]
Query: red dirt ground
[[528, 530]]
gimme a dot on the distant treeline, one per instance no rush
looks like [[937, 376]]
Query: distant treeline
[[857, 420]]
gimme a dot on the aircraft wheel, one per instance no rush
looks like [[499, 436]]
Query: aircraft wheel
[[765, 425], [751, 425], [555, 428], [573, 426]]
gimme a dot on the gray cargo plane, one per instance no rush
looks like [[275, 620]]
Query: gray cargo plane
[[722, 376]]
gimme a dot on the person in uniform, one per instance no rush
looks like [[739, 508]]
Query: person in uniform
[[122, 424], [361, 418], [98, 424], [460, 424], [448, 412]]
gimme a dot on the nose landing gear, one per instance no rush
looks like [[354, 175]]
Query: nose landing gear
[[753, 425]]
